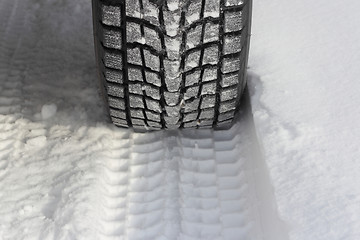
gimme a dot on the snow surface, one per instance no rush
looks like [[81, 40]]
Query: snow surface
[[66, 173], [305, 99]]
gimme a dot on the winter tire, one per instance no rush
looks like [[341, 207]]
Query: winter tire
[[168, 64]]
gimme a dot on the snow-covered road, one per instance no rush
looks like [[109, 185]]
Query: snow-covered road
[[66, 173], [287, 169]]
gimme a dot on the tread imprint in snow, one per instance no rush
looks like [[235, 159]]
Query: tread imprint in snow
[[174, 63]]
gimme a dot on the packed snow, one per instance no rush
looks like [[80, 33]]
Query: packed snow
[[287, 169]]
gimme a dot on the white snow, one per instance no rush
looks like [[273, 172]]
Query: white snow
[[305, 97], [66, 173], [36, 141], [48, 111], [173, 5]]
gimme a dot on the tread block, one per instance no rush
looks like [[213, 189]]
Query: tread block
[[134, 56], [173, 85], [210, 74], [230, 79], [111, 15], [207, 114], [153, 78], [172, 98], [133, 8], [152, 38], [192, 78], [153, 116], [208, 102], [136, 101], [137, 113], [172, 22], [211, 55], [191, 92], [212, 8], [116, 103], [135, 74], [191, 124], [172, 69], [193, 37], [115, 90], [227, 106], [172, 120], [113, 60], [117, 113], [191, 105], [226, 116], [154, 125], [193, 11], [138, 122], [119, 122], [173, 111], [172, 46], [135, 88], [151, 12], [153, 105], [208, 88], [192, 60], [231, 64], [205, 123], [152, 91], [112, 39], [211, 32], [133, 32], [190, 117], [229, 94], [152, 61], [113, 76], [233, 44], [233, 21]]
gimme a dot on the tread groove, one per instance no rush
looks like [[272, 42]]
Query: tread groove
[[182, 62], [203, 46], [125, 66], [162, 68], [142, 69]]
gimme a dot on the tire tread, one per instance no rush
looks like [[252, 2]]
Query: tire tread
[[182, 67]]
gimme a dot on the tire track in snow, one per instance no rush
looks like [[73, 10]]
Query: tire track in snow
[[139, 188], [192, 184], [200, 199], [113, 186]]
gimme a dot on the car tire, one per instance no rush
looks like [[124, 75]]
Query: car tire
[[167, 64]]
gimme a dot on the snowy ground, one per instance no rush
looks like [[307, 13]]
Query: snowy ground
[[305, 83], [287, 169]]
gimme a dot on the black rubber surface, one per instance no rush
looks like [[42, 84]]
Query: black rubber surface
[[172, 63]]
